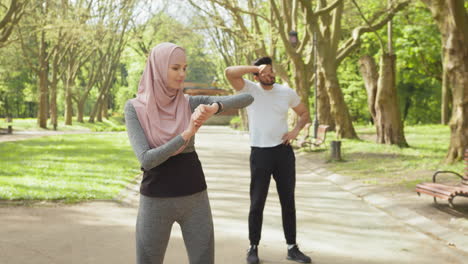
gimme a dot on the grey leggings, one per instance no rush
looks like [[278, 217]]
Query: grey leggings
[[154, 224]]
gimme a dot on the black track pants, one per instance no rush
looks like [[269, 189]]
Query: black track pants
[[280, 162]]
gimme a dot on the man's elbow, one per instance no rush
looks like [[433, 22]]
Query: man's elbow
[[228, 72]]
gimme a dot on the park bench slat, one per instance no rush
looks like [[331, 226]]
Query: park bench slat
[[436, 188], [438, 195], [444, 191]]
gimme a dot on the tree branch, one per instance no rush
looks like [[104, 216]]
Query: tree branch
[[327, 9], [355, 41], [236, 9], [382, 46], [11, 19]]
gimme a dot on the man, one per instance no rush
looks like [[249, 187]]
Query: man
[[271, 153]]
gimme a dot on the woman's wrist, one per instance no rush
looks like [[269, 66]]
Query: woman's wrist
[[186, 135], [219, 108]]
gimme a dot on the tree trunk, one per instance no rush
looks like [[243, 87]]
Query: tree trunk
[[388, 118], [93, 113], [329, 38], [99, 111], [323, 104], [446, 100], [96, 111], [452, 19], [53, 93], [93, 76], [102, 112], [80, 110], [456, 67], [370, 75], [109, 76], [302, 84], [53, 103], [43, 85], [43, 96], [73, 65], [8, 116], [105, 107], [459, 123], [339, 110], [68, 102]]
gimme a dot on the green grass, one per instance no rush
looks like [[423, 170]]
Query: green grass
[[390, 165], [69, 168], [114, 123]]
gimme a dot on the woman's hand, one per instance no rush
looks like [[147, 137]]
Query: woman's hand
[[193, 126], [205, 111], [199, 116]]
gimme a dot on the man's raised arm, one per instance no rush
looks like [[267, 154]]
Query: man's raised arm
[[234, 75]]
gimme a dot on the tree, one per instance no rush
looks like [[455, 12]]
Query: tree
[[59, 50], [11, 18], [418, 67], [329, 35], [451, 17], [35, 51], [143, 34], [113, 45], [369, 72], [264, 28], [382, 92], [332, 52], [265, 31], [419, 64]]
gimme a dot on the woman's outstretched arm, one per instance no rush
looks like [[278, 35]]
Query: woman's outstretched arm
[[148, 157], [228, 102]]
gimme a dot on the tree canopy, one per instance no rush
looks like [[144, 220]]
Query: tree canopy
[[85, 58]]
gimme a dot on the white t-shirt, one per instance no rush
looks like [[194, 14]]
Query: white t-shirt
[[268, 114]]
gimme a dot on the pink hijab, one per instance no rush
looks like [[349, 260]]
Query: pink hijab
[[163, 112]]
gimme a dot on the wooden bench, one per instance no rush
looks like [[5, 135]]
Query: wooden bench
[[8, 130], [310, 141], [445, 191]]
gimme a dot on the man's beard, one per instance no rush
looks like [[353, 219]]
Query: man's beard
[[267, 84]]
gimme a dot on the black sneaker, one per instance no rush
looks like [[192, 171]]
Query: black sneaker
[[252, 255], [295, 254]]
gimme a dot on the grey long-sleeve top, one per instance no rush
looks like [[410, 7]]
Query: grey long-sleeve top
[[152, 157]]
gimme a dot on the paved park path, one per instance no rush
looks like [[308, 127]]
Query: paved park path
[[339, 221]]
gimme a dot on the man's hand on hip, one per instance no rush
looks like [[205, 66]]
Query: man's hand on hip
[[288, 137]]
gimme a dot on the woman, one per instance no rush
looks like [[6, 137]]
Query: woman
[[161, 123]]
